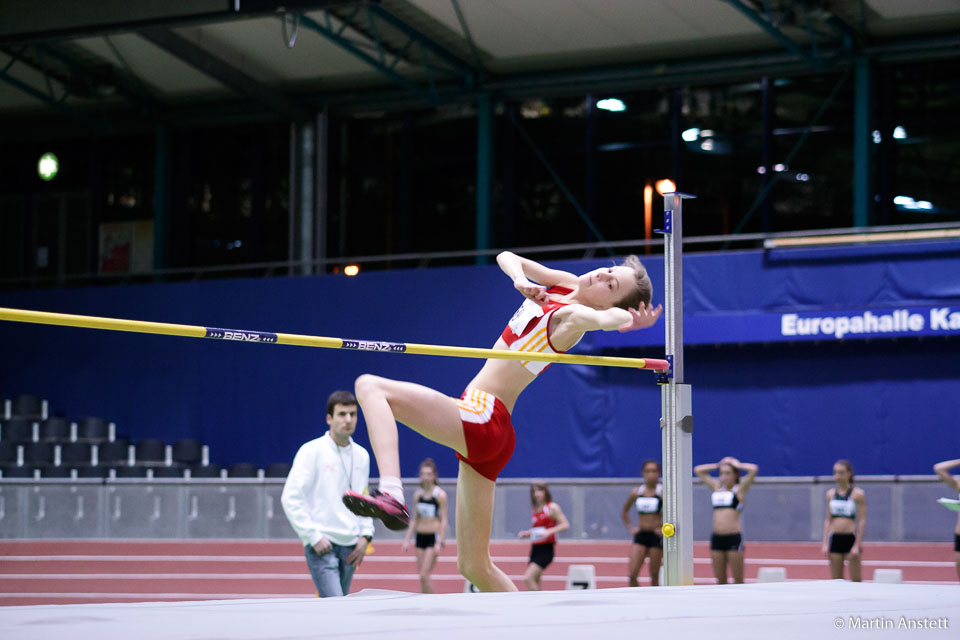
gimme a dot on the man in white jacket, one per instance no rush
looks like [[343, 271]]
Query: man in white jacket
[[335, 539]]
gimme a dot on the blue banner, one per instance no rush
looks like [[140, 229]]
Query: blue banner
[[848, 324]]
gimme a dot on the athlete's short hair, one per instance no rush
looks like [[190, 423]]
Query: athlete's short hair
[[643, 291]]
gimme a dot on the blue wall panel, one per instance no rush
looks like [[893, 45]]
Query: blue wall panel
[[889, 405]]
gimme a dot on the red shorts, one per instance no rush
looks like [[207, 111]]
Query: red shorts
[[488, 432]]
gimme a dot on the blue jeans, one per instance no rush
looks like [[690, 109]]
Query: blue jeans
[[331, 573]]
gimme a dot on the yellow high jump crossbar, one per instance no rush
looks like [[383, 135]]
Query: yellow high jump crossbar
[[241, 335]]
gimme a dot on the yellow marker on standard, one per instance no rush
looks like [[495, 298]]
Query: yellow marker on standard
[[668, 530]]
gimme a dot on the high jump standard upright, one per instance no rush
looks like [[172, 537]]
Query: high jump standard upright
[[676, 423]]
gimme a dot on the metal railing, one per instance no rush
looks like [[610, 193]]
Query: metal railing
[[899, 508], [576, 250]]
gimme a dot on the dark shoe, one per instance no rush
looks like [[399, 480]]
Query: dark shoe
[[386, 508]]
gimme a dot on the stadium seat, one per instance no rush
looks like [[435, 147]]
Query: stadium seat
[[93, 430], [172, 471], [25, 471], [38, 453], [8, 452], [150, 451], [54, 472], [129, 472], [187, 451], [113, 453], [55, 430], [205, 471], [277, 470], [19, 430], [28, 406], [76, 453], [242, 470], [92, 472]]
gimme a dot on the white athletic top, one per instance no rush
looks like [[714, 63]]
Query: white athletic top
[[428, 507], [725, 499], [312, 496], [649, 504], [844, 507]]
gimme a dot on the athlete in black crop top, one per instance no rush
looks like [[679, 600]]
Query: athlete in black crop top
[[942, 470], [843, 526], [647, 541], [726, 543], [428, 522]]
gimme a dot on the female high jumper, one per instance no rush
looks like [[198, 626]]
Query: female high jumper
[[559, 309]]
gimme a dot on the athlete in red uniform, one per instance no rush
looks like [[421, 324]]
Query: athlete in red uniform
[[559, 309], [547, 520]]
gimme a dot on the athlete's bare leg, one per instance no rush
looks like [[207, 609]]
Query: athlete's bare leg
[[656, 558], [473, 519], [384, 402], [719, 559], [426, 559], [735, 562], [531, 577], [638, 553]]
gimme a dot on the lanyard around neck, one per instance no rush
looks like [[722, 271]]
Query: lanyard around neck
[[347, 474]]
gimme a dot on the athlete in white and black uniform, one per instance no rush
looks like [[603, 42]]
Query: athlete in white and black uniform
[[942, 470], [726, 543], [844, 524], [647, 540], [429, 523]]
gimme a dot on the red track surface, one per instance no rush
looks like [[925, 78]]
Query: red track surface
[[75, 571]]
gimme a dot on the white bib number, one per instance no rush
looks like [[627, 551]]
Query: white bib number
[[843, 508], [646, 504], [527, 312], [426, 510], [722, 498]]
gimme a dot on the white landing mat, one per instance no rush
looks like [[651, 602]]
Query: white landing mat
[[818, 610]]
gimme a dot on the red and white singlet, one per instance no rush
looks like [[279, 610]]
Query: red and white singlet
[[540, 518], [529, 330]]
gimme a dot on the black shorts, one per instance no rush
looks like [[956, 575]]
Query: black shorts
[[726, 542], [648, 538], [426, 540], [841, 542], [956, 542], [541, 554]]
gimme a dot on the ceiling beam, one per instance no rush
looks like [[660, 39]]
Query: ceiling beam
[[407, 45], [20, 20], [102, 75], [59, 104], [239, 82], [762, 20]]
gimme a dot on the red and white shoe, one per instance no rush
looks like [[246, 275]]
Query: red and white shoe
[[387, 509]]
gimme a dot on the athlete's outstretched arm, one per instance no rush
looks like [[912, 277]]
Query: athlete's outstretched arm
[[532, 279], [581, 318]]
